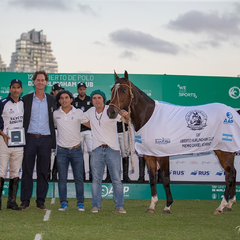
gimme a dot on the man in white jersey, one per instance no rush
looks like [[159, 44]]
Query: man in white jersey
[[68, 120], [11, 116], [106, 151]]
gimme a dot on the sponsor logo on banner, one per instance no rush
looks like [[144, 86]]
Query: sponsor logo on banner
[[148, 92], [220, 173], [228, 119], [193, 162], [234, 92], [177, 173], [196, 119], [180, 162], [200, 173], [162, 141], [183, 92], [107, 191], [227, 137], [204, 162]]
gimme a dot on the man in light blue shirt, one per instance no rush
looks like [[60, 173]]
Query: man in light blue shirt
[[40, 139]]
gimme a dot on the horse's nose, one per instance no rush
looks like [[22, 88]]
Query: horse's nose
[[111, 113]]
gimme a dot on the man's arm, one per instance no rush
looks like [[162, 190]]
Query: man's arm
[[87, 124], [5, 137]]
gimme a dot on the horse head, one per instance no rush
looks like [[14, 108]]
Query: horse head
[[121, 96]]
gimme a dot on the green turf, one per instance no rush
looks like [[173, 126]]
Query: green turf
[[190, 219]]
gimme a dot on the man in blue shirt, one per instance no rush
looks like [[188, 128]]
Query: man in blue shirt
[[40, 139]]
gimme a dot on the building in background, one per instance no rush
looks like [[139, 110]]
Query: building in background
[[33, 53], [3, 67]]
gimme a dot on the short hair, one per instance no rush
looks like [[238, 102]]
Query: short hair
[[40, 72]]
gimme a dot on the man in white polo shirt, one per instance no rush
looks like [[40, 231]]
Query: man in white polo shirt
[[11, 116], [105, 151], [68, 120]]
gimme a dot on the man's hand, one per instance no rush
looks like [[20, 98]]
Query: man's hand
[[125, 116], [5, 137]]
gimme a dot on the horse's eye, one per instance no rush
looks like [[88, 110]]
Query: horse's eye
[[124, 90]]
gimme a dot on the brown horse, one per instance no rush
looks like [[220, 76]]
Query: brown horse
[[126, 95]]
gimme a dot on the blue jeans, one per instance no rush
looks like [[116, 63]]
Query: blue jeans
[[99, 158], [75, 157]]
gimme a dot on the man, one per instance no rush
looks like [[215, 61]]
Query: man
[[56, 88], [105, 151], [40, 139], [11, 117], [83, 102], [68, 120]]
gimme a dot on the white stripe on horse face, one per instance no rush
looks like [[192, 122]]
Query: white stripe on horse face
[[117, 86]]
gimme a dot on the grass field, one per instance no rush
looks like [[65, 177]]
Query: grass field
[[190, 219]]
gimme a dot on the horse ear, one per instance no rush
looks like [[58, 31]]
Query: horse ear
[[116, 76], [126, 74]]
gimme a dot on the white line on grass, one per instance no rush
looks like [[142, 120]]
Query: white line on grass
[[47, 215], [38, 236], [53, 201]]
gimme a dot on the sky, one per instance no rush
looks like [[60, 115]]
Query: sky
[[143, 37]]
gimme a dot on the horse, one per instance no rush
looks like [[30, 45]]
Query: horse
[[124, 94]]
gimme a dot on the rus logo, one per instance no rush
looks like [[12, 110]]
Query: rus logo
[[200, 173], [177, 173]]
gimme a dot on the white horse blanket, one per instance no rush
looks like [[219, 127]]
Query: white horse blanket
[[174, 130]]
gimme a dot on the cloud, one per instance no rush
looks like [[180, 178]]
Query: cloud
[[39, 4], [99, 43], [136, 39], [128, 54], [216, 26], [86, 9]]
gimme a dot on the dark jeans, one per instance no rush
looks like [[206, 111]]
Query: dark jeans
[[75, 157], [40, 148]]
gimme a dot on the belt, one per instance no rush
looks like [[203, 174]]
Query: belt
[[70, 148], [38, 135], [104, 146]]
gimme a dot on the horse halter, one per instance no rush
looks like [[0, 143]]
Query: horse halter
[[116, 95]]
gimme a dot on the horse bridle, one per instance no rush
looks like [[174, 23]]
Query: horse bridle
[[115, 94]]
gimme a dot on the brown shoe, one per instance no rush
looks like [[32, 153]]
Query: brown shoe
[[23, 206], [42, 207]]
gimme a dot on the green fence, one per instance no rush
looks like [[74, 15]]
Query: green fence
[[141, 191]]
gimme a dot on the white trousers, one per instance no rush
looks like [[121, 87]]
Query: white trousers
[[123, 150], [13, 156], [86, 137]]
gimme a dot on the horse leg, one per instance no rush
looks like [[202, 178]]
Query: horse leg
[[226, 160], [152, 169], [164, 166]]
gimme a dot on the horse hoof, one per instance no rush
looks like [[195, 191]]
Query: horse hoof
[[150, 211], [166, 211], [218, 212], [227, 209]]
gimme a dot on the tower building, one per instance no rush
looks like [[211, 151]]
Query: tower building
[[33, 53]]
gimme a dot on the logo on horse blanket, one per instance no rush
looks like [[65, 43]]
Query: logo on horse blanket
[[196, 119]]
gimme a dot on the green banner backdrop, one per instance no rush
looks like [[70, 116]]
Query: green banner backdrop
[[176, 89]]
